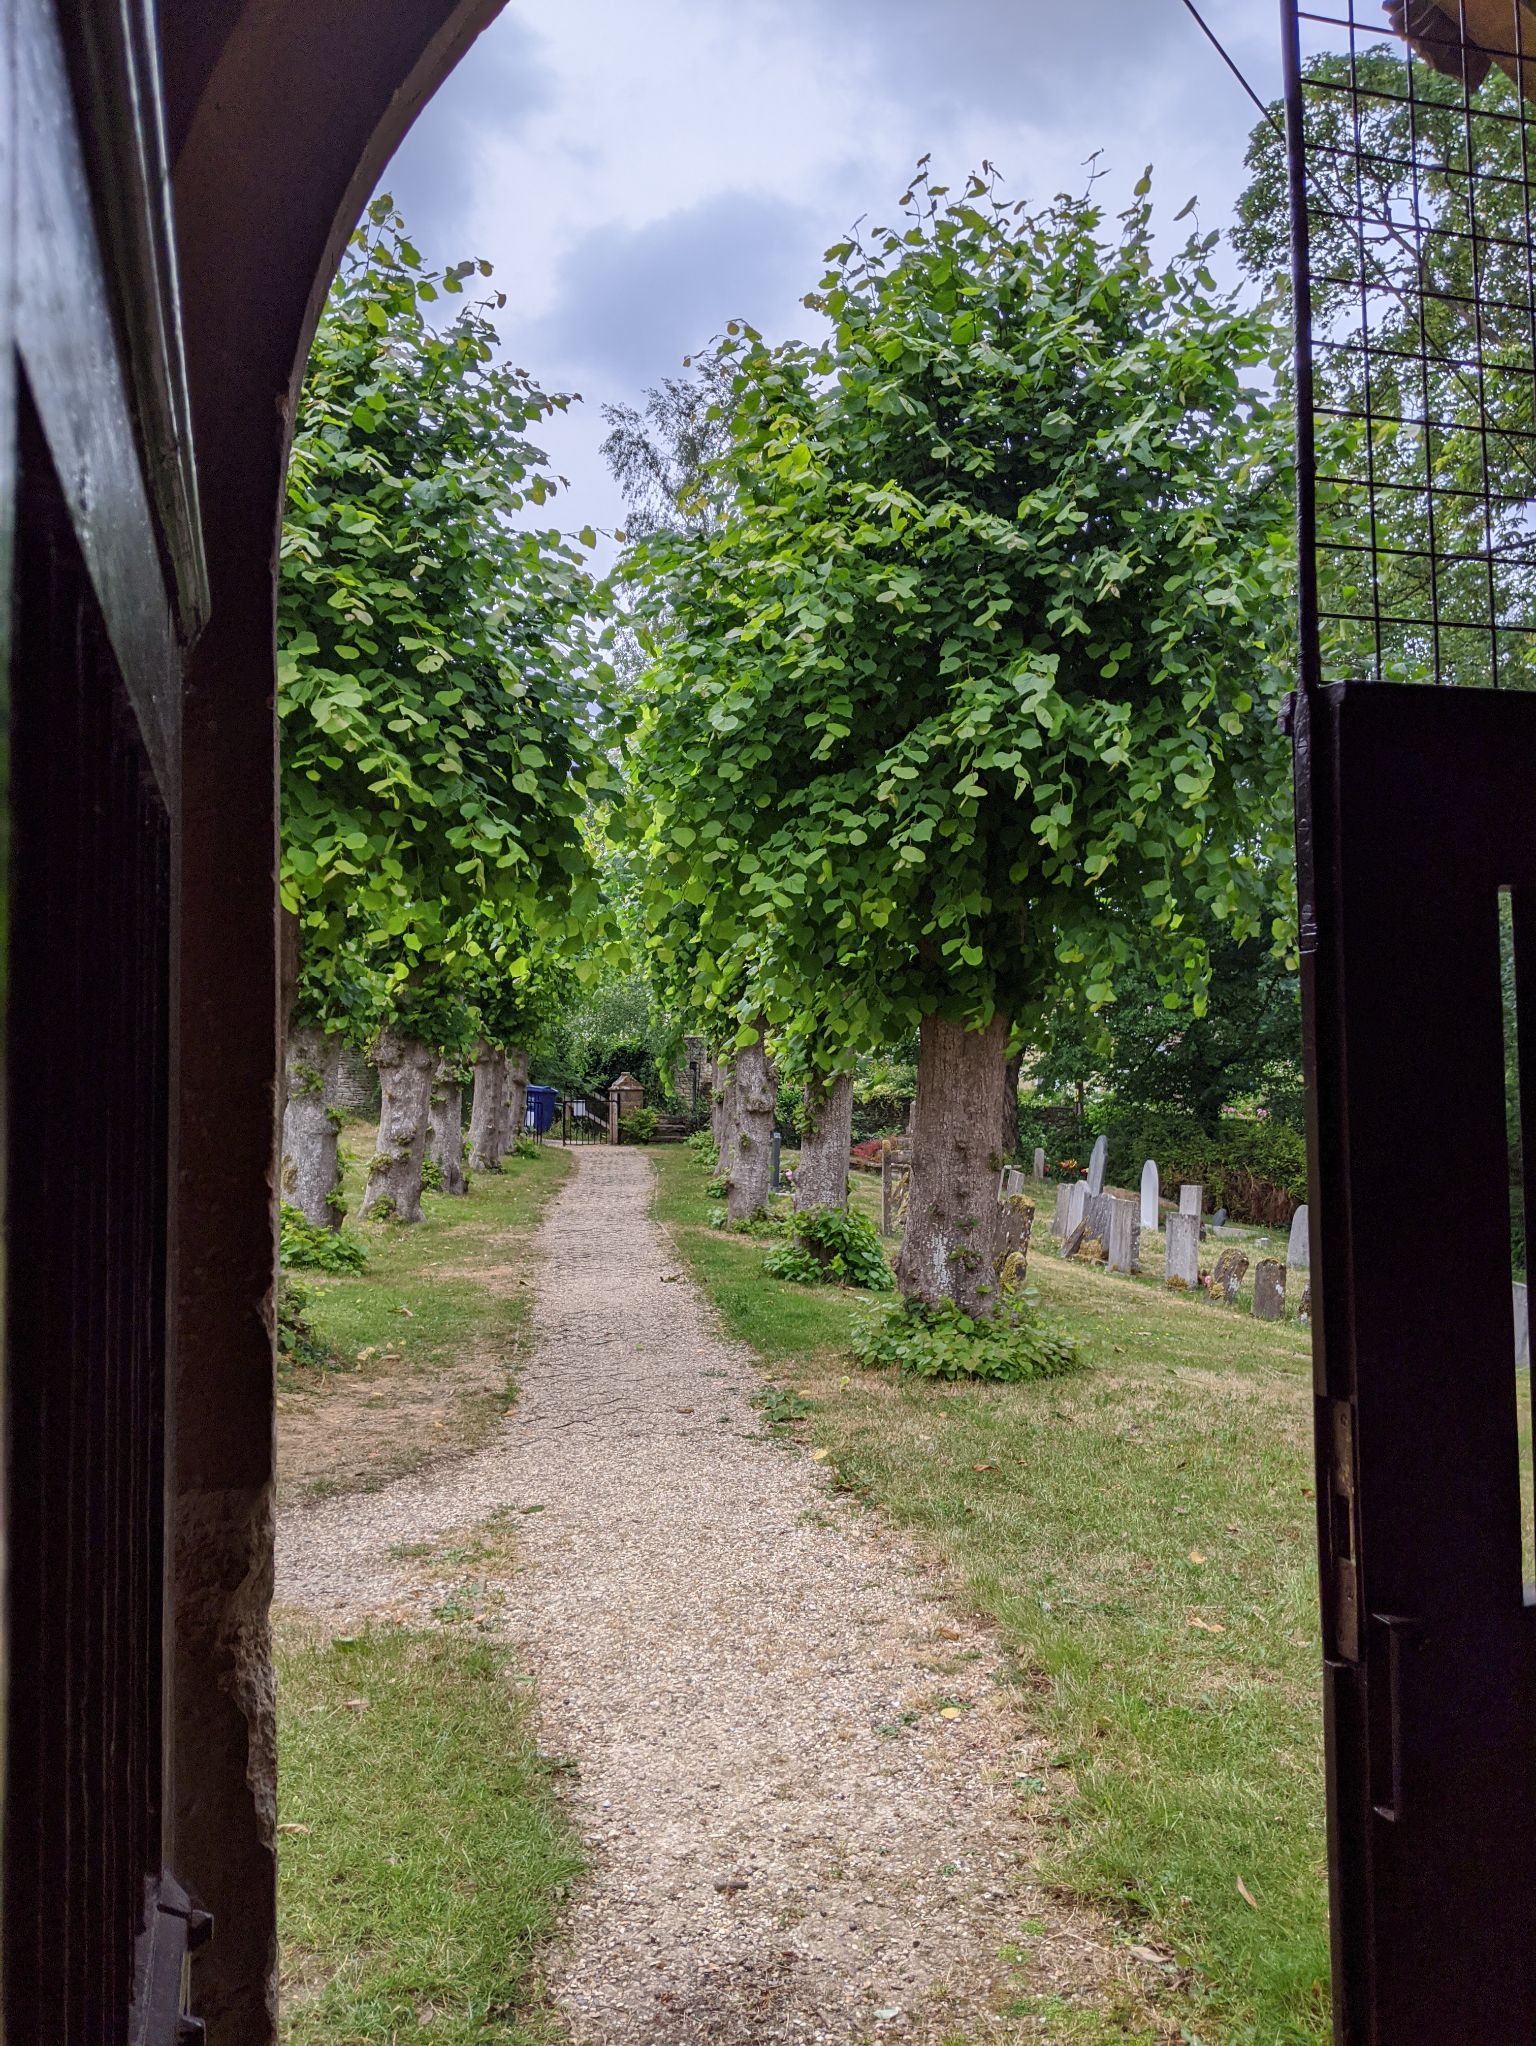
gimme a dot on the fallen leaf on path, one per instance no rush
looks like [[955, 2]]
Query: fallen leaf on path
[[983, 1466], [533, 1509], [354, 1705], [951, 1712], [1148, 1954], [1246, 1894], [669, 1278], [1207, 1626], [1195, 1556], [291, 1826], [820, 1455], [731, 1886], [684, 1410]]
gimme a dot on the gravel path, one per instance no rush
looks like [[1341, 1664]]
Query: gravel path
[[791, 1842]]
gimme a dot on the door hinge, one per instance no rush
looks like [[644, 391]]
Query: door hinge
[[1343, 1533]]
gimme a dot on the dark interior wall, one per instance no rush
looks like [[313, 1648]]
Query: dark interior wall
[[282, 114]]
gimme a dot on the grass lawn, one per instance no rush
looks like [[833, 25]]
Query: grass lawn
[[425, 1340], [424, 1852], [1143, 1536]]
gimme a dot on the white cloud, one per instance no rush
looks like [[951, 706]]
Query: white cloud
[[638, 175]]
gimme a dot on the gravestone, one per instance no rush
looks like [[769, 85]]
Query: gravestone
[[1151, 1217], [1059, 1223], [1096, 1213], [1077, 1200], [1181, 1260], [1039, 1162], [1304, 1311], [1191, 1200], [1298, 1254], [1219, 1219], [1124, 1240], [895, 1180], [1269, 1290], [1231, 1270], [1522, 1329], [1098, 1158]]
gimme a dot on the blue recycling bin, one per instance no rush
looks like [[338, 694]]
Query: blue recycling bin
[[543, 1106]]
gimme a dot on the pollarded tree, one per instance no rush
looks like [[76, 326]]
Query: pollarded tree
[[439, 663], [971, 697]]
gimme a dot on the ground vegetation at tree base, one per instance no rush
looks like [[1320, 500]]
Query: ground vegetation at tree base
[[1142, 1534]]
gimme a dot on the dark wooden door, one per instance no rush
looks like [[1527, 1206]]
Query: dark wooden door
[[101, 571]]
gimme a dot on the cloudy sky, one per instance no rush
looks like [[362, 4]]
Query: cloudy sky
[[641, 173]]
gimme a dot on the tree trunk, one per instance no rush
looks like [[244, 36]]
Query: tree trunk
[[445, 1130], [1011, 1073], [516, 1100], [487, 1108], [750, 1171], [289, 964], [952, 1213], [405, 1068], [311, 1176], [821, 1178], [726, 1117]]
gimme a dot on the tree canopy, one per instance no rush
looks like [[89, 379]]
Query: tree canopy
[[969, 695], [439, 657]]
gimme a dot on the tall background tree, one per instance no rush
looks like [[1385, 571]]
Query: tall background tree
[[970, 697]]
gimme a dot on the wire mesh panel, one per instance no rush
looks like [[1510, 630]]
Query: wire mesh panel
[[1416, 169]]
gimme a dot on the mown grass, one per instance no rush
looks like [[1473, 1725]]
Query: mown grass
[[424, 1296], [424, 1851], [1142, 1534]]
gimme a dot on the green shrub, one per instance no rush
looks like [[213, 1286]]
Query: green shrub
[[297, 1342], [1013, 1348], [719, 1186], [431, 1176], [1255, 1169], [639, 1126], [523, 1147], [832, 1246], [702, 1145], [306, 1248]]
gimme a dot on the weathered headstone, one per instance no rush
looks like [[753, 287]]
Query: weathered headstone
[[1298, 1254], [1015, 1225], [1098, 1158], [1269, 1290], [1522, 1328], [1124, 1239], [895, 1179], [1039, 1162], [1059, 1222], [1181, 1262], [1191, 1200], [1231, 1270], [1077, 1200], [1219, 1219], [1151, 1217], [1096, 1213], [1304, 1311]]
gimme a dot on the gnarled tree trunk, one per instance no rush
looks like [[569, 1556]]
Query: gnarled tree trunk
[[821, 1178], [952, 1213], [445, 1130], [487, 1109], [750, 1167], [405, 1068], [725, 1121], [516, 1099], [311, 1171], [1010, 1139]]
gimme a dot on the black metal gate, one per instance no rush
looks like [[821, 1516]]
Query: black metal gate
[[583, 1119], [1413, 181]]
